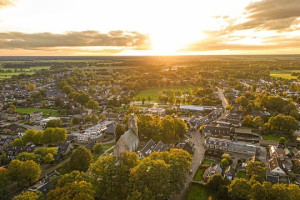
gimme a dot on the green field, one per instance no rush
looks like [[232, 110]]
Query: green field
[[207, 162], [271, 137], [52, 113], [199, 192], [285, 74], [199, 174], [154, 92], [30, 71]]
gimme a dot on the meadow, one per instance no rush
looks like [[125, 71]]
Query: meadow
[[9, 72], [154, 92], [51, 112], [199, 192], [284, 74]]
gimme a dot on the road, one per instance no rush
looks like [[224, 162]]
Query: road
[[198, 139]]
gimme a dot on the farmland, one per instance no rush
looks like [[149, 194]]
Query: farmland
[[9, 72], [284, 74]]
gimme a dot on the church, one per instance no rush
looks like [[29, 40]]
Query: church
[[129, 141]]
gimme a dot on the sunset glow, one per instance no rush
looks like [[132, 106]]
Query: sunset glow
[[159, 27]]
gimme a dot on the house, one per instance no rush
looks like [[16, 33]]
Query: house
[[213, 169], [13, 151], [229, 173], [277, 153], [129, 141], [296, 152], [92, 134], [111, 129], [187, 145], [231, 146], [217, 130], [35, 116], [287, 152], [150, 147], [275, 168], [147, 149], [272, 178], [194, 123], [44, 185]]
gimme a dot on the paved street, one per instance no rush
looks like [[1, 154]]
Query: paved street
[[198, 139]]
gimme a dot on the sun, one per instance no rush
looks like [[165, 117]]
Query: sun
[[170, 41]]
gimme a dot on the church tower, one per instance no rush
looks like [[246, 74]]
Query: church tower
[[132, 124]]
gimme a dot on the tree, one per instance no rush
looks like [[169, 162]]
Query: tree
[[215, 182], [73, 191], [12, 108], [94, 119], [17, 142], [224, 163], [167, 127], [282, 141], [4, 181], [180, 127], [54, 123], [258, 122], [81, 159], [31, 87], [104, 169], [17, 168], [76, 120], [48, 158], [147, 179], [14, 170], [55, 135], [247, 121], [28, 156], [239, 189], [283, 123], [119, 131], [91, 104], [33, 171], [38, 138], [258, 192], [256, 168], [29, 195], [97, 148]]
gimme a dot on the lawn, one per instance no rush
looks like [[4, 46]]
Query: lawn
[[51, 112], [285, 74], [107, 146], [207, 162], [242, 174], [154, 92], [104, 148], [271, 137], [199, 192], [199, 174]]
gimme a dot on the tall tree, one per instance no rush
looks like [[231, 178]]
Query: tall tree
[[81, 159]]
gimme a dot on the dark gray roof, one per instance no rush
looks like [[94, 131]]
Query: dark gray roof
[[111, 128], [148, 148], [160, 146]]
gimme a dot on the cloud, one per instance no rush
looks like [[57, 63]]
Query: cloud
[[5, 3], [278, 15], [217, 41], [19, 40]]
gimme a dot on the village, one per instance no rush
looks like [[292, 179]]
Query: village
[[223, 127]]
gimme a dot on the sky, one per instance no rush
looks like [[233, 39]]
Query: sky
[[149, 27]]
